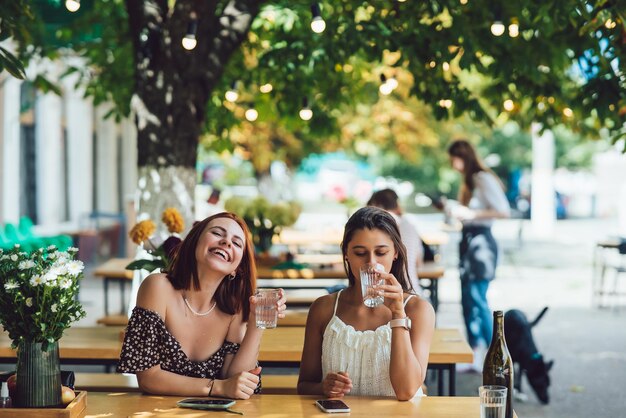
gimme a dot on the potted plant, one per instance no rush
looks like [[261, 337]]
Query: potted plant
[[264, 219], [38, 301]]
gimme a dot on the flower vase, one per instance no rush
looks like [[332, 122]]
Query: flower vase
[[38, 375], [264, 240]]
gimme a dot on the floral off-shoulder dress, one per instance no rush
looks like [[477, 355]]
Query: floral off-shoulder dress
[[148, 343]]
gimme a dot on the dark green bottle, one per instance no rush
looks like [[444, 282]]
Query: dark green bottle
[[498, 365]]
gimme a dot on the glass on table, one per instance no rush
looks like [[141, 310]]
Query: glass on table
[[492, 401]]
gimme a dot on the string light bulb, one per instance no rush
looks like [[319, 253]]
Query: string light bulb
[[497, 28], [72, 5], [266, 88], [508, 105], [251, 114], [232, 95], [317, 23], [393, 82], [514, 29], [384, 88], [305, 113], [189, 41]]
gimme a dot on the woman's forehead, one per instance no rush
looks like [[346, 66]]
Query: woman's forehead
[[228, 224], [370, 237]]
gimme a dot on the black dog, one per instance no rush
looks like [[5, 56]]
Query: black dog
[[519, 339]]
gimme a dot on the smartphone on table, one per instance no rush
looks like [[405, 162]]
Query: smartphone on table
[[332, 406], [201, 403]]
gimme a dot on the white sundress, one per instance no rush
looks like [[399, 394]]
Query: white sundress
[[365, 355]]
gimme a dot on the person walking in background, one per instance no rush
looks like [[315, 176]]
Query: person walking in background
[[482, 199], [387, 199]]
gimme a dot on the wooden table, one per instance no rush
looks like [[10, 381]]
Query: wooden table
[[282, 406], [280, 347], [114, 270]]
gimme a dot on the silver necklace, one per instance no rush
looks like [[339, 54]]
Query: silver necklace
[[199, 313]]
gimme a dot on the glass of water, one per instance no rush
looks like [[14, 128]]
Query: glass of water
[[370, 280], [266, 311], [492, 401]]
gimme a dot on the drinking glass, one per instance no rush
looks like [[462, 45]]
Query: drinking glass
[[492, 401], [370, 280], [266, 311]]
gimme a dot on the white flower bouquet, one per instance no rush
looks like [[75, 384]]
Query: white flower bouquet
[[38, 293]]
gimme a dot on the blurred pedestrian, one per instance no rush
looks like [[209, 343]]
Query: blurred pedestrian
[[482, 199]]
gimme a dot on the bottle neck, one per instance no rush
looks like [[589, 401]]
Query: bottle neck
[[498, 327]]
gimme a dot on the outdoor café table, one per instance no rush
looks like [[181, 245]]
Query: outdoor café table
[[104, 404], [280, 347], [114, 270]]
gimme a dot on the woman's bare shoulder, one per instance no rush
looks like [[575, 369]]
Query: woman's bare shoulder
[[322, 309], [154, 293], [419, 306]]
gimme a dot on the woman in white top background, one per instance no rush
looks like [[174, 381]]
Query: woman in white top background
[[350, 348], [482, 200]]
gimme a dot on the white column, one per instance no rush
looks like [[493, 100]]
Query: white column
[[10, 150], [543, 209], [107, 189], [50, 160], [130, 194], [128, 149], [79, 125]]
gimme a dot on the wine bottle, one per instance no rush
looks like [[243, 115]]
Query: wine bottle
[[498, 365]]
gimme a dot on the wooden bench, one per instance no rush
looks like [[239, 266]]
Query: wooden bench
[[115, 382]]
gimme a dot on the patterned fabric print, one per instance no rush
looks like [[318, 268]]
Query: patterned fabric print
[[148, 343]]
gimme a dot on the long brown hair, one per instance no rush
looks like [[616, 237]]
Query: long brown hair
[[371, 217], [472, 164], [231, 296]]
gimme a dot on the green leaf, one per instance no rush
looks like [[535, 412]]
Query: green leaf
[[148, 265]]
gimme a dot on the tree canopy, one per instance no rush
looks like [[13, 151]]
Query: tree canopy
[[554, 63]]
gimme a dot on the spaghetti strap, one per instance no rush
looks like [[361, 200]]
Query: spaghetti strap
[[337, 302], [406, 301]]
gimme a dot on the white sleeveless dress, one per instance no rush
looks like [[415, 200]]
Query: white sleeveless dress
[[365, 355]]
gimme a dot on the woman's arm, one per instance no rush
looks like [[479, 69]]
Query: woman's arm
[[160, 382], [497, 205], [310, 380], [410, 348], [249, 338]]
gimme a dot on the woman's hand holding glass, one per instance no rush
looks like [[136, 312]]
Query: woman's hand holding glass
[[394, 295], [257, 301], [336, 385]]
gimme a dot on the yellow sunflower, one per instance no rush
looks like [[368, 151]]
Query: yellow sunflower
[[173, 220], [142, 231]]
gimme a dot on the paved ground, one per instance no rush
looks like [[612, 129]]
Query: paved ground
[[587, 344]]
